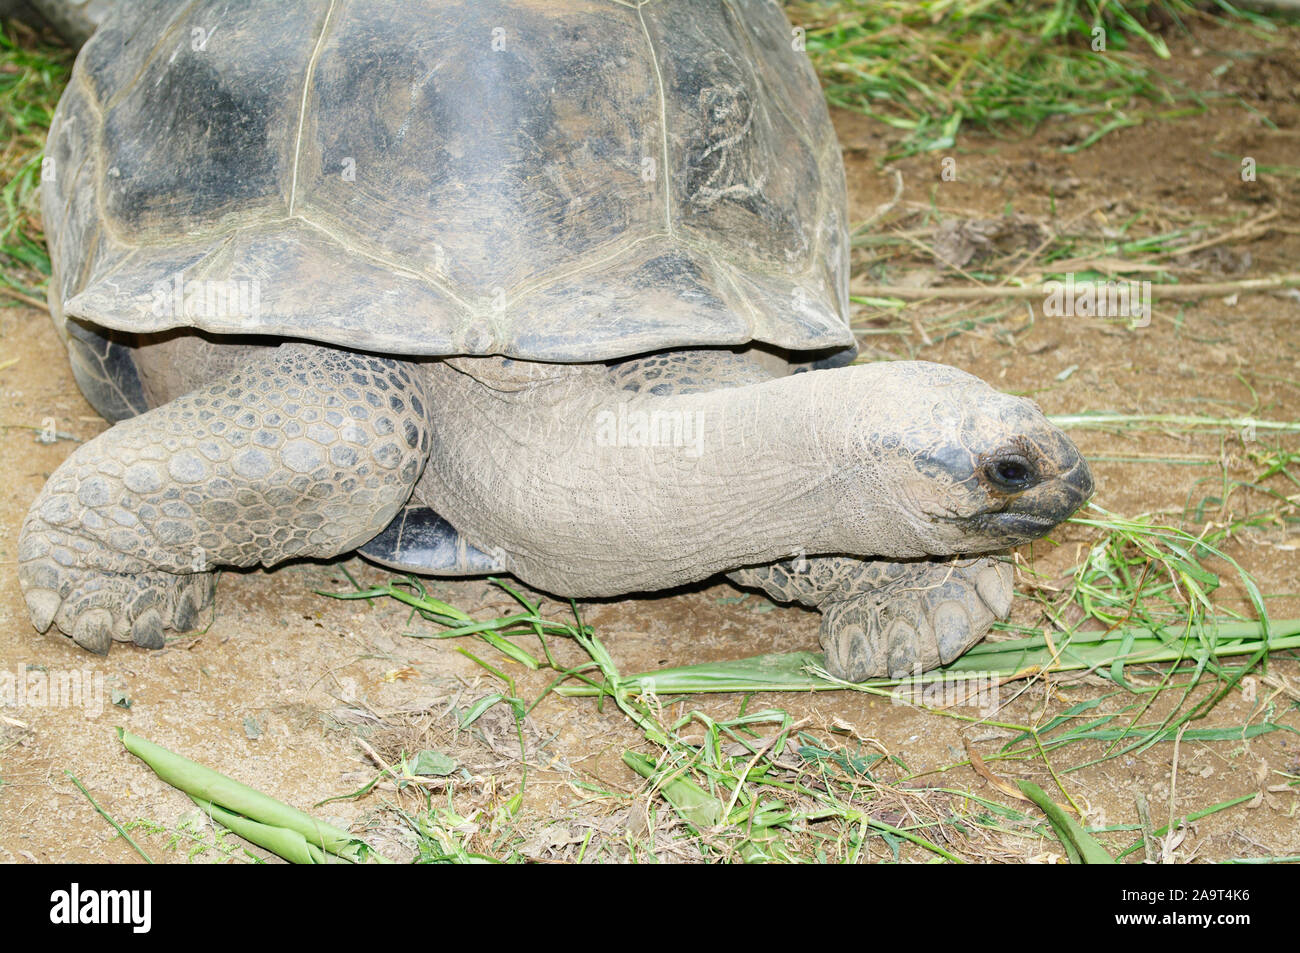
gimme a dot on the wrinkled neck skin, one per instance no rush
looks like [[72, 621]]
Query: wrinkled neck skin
[[593, 490]]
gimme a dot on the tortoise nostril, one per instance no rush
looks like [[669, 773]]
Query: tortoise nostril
[[1079, 478]]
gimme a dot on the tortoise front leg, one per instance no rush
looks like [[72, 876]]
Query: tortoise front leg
[[891, 618], [305, 451]]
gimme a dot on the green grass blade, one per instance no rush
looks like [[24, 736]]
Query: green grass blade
[[1084, 650], [108, 817], [1078, 843]]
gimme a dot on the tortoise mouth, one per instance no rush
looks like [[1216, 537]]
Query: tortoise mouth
[[1031, 515], [1018, 527]]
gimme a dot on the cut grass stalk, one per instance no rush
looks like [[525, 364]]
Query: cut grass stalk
[[1079, 845], [16, 295], [270, 820], [1108, 420], [281, 841], [1295, 859], [1008, 659], [1169, 292], [691, 801]]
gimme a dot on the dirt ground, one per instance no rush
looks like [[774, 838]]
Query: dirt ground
[[282, 684]]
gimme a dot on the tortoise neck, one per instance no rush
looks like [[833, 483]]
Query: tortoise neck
[[595, 490]]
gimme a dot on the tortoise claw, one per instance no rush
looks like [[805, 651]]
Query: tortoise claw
[[917, 621]]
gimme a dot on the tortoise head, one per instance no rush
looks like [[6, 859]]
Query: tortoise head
[[965, 468]]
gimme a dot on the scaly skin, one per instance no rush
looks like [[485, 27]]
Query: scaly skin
[[304, 451], [891, 618]]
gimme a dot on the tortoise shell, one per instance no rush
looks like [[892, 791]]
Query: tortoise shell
[[555, 180]]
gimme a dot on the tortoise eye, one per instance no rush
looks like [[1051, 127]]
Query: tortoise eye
[[1011, 473]]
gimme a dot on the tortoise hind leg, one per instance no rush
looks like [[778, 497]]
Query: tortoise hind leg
[[304, 451]]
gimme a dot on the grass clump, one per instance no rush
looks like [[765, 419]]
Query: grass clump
[[32, 77], [927, 69]]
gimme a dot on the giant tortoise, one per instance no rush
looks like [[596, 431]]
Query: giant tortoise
[[554, 289]]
